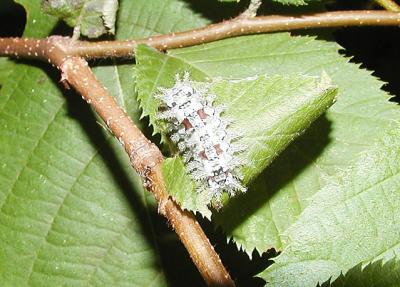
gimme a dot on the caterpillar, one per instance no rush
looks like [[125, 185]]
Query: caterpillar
[[202, 136]]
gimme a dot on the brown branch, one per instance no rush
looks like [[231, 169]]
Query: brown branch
[[236, 27], [144, 156]]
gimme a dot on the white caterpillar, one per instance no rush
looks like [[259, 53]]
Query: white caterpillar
[[203, 139]]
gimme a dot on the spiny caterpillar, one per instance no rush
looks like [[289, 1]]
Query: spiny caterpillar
[[202, 137]]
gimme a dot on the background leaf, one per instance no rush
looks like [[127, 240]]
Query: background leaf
[[351, 220], [284, 108], [38, 24], [62, 209], [93, 17]]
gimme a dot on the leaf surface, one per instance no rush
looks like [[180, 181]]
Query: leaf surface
[[360, 116], [284, 108], [38, 24], [352, 220], [373, 275], [62, 209]]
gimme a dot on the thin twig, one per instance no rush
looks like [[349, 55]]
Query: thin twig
[[144, 156], [236, 27], [251, 11], [389, 5]]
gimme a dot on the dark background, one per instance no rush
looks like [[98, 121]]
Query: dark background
[[377, 48]]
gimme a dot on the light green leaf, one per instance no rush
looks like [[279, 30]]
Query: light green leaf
[[270, 112], [266, 112], [92, 17], [182, 187], [73, 212], [257, 219], [361, 114], [352, 220], [373, 275], [149, 78], [5, 69]]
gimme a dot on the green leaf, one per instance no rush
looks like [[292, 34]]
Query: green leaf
[[154, 70], [64, 218], [352, 220], [5, 69], [92, 17], [270, 112], [373, 275], [182, 187], [37, 23], [284, 107], [335, 139], [361, 114], [73, 212]]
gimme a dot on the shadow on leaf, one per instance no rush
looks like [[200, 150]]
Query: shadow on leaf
[[272, 183]]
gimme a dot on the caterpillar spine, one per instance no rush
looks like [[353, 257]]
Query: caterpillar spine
[[207, 146]]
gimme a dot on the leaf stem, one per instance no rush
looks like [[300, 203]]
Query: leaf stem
[[145, 157], [389, 5]]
